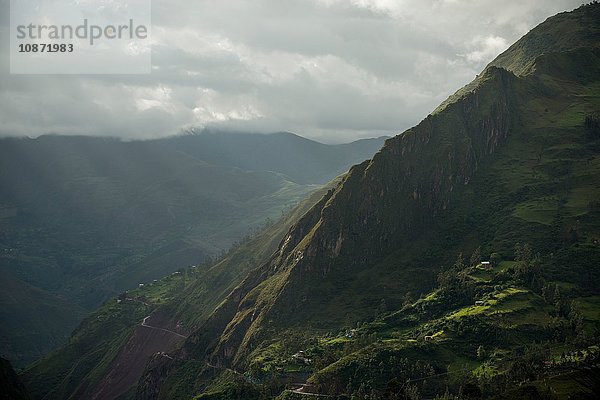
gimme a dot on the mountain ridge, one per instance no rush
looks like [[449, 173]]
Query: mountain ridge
[[368, 294], [275, 291], [302, 261]]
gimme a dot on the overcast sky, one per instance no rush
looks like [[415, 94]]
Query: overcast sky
[[332, 70]]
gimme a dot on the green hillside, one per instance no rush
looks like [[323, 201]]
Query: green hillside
[[83, 218], [368, 294], [510, 160], [187, 298]]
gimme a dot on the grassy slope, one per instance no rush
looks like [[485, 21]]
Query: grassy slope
[[510, 318], [539, 186], [563, 32], [85, 218], [187, 297]]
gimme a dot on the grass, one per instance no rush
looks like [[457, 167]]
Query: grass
[[508, 300], [468, 312], [504, 265], [579, 199], [226, 381], [481, 275], [541, 210], [340, 340], [589, 307]]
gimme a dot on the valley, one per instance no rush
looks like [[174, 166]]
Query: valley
[[83, 219]]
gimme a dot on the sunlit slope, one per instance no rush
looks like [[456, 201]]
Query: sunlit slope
[[185, 299], [509, 160], [84, 218]]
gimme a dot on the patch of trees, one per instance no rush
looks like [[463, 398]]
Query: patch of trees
[[379, 375], [528, 271], [454, 283], [476, 328], [529, 366]]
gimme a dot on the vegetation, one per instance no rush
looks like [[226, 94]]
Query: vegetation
[[82, 219], [461, 262], [188, 296]]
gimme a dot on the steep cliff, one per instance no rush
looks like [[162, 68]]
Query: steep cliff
[[378, 207], [107, 353], [460, 179]]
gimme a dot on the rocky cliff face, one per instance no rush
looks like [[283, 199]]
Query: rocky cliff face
[[355, 249], [381, 202], [157, 370]]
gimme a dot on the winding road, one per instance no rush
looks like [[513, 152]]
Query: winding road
[[301, 390], [145, 325]]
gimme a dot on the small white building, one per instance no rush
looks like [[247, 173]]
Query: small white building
[[301, 357]]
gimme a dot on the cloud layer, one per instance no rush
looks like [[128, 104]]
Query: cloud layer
[[334, 70]]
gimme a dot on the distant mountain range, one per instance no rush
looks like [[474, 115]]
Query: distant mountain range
[[84, 218], [301, 160]]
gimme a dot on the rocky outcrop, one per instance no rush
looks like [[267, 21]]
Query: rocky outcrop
[[156, 372], [335, 265], [401, 191]]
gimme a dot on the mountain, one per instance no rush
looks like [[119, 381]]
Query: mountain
[[368, 294], [84, 218], [112, 336], [300, 159]]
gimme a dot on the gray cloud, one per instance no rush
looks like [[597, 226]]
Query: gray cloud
[[334, 70]]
